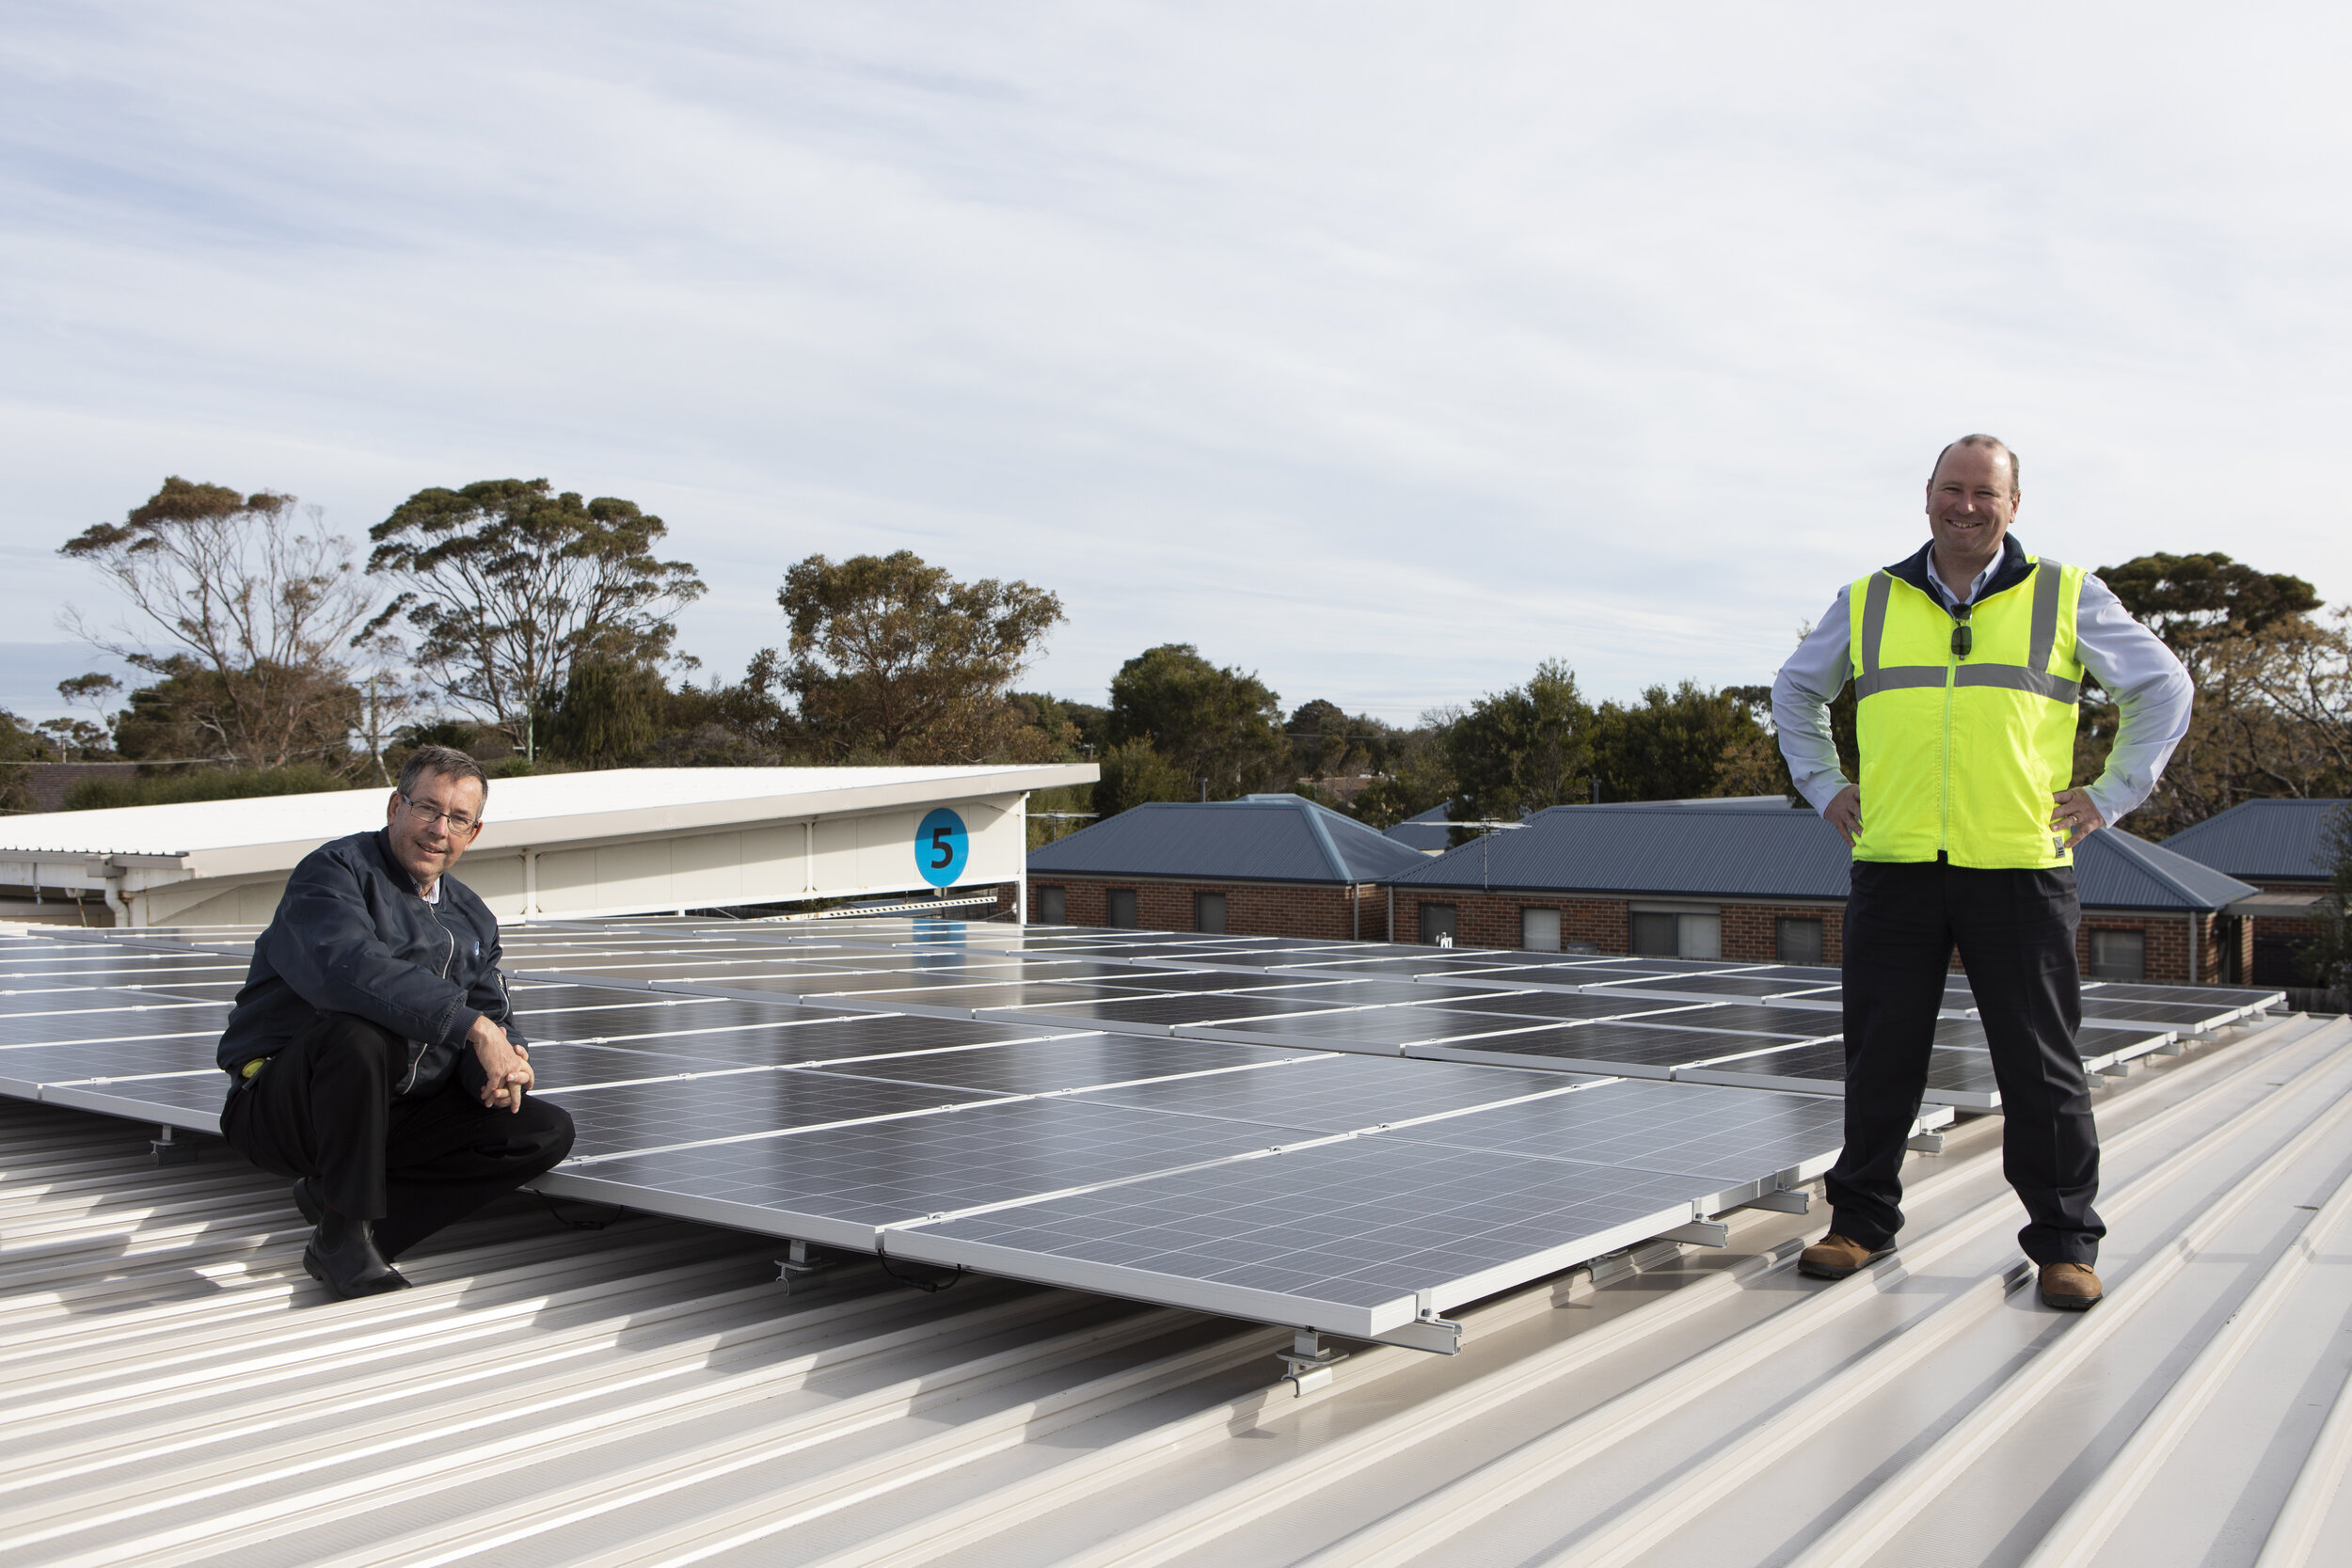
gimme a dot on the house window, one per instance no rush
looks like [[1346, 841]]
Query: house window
[[1539, 930], [1208, 912], [1118, 906], [1052, 908], [1800, 939], [2118, 956], [1665, 934], [1436, 924]]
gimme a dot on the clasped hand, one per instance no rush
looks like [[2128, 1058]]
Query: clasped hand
[[505, 1066]]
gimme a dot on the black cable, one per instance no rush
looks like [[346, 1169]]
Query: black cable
[[931, 1287], [580, 1225]]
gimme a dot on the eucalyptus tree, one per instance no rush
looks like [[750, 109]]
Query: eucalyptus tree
[[506, 584]]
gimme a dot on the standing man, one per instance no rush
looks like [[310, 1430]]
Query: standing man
[[1967, 660], [372, 1054]]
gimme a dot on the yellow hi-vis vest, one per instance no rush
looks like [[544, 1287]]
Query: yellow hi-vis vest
[[1962, 755]]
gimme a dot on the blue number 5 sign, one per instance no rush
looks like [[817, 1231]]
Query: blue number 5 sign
[[942, 849]]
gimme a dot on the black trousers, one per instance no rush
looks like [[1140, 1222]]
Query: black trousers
[[323, 1108], [2015, 933]]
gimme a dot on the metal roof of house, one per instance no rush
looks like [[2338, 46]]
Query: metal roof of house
[[1257, 838], [649, 1394], [1680, 851], [2118, 871], [2263, 840], [1429, 832]]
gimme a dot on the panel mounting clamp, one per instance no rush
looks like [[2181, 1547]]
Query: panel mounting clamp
[[1310, 1361]]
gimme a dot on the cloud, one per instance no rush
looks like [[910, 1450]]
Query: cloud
[[1382, 351]]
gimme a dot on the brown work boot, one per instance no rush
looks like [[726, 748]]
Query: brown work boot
[[2069, 1286], [1835, 1256]]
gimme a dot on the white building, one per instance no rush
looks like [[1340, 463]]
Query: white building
[[628, 841]]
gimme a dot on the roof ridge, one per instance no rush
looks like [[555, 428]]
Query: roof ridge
[[2142, 853], [1314, 815]]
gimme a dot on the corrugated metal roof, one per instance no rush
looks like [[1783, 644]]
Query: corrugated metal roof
[[1257, 838], [2121, 871], [2261, 841], [1673, 849], [1429, 831], [178, 1392]]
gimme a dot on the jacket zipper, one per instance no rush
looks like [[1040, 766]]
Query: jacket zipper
[[1944, 822], [416, 1064]]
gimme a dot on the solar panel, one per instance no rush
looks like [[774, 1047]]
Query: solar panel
[[1378, 1030], [1333, 1093], [1362, 1238], [1628, 1050], [1164, 1013], [1961, 1079], [838, 1185], [738, 1103], [24, 1068], [1076, 1062], [200, 1019], [1725, 1134]]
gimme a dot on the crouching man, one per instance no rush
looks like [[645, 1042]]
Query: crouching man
[[373, 1053]]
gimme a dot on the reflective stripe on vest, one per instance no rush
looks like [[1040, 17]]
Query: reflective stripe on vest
[[1962, 755]]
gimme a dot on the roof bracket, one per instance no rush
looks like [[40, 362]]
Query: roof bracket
[[1782, 1202], [800, 1263], [1311, 1362]]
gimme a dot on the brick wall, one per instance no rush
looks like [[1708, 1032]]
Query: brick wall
[[1750, 931], [1329, 911], [2300, 929]]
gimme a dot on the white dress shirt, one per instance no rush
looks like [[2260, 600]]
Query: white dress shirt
[[2131, 662]]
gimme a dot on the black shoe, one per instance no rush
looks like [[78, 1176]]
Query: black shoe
[[308, 1201], [348, 1264]]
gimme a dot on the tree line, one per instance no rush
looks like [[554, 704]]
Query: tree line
[[537, 628]]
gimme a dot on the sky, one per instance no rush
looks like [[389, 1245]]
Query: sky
[[1384, 350]]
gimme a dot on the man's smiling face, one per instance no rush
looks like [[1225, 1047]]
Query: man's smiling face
[[1971, 502], [422, 828]]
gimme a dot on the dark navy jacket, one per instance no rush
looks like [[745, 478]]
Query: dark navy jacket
[[353, 936]]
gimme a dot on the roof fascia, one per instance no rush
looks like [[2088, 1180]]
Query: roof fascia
[[645, 822]]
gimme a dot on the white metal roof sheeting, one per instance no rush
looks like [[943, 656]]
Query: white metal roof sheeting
[[179, 1392], [548, 809]]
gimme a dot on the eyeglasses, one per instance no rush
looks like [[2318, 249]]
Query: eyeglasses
[[1964, 635], [424, 816]]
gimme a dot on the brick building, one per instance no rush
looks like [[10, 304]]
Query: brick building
[[2280, 847], [1262, 866], [1761, 883]]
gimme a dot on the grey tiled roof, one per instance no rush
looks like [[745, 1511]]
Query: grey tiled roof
[[2262, 840], [1259, 838], [1737, 851]]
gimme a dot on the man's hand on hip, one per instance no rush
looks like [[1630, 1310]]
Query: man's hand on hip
[[2076, 817], [504, 1063], [1845, 812]]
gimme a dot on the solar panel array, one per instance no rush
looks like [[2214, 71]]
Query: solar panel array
[[1759, 1025], [1352, 1137]]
